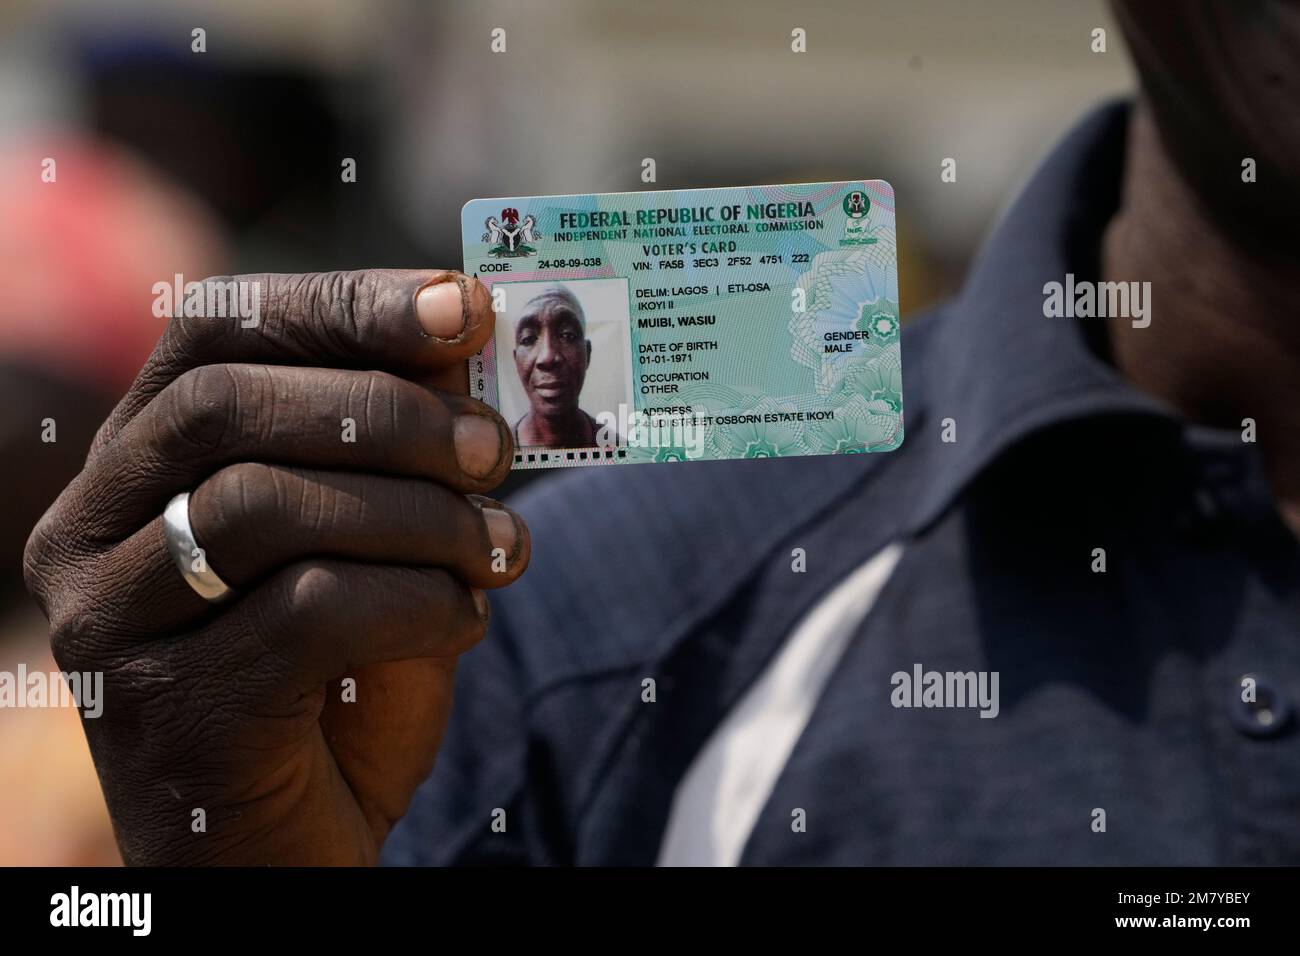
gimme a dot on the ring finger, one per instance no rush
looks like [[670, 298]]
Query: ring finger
[[251, 519]]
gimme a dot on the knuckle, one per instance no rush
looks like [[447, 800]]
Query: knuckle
[[290, 610], [305, 596], [200, 408], [342, 307], [51, 553], [194, 337], [288, 298], [105, 434], [379, 400], [240, 503], [38, 571], [72, 626], [433, 511]]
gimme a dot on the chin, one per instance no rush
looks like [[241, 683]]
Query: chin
[[554, 407]]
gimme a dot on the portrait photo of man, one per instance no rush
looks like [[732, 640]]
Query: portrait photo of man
[[551, 350]]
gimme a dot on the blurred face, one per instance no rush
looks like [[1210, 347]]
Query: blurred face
[[551, 356], [1223, 81]]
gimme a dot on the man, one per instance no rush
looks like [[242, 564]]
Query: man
[[1094, 519], [552, 354]]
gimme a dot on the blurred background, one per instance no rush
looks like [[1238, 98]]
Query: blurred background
[[173, 161]]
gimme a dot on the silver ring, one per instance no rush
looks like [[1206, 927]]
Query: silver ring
[[191, 560]]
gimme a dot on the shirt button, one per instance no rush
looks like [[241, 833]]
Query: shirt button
[[1207, 508], [1200, 518], [1266, 714]]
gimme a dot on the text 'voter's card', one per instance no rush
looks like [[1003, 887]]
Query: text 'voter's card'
[[697, 324]]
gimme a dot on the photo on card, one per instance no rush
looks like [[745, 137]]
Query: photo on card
[[563, 361]]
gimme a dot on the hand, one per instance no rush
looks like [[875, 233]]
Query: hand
[[357, 566]]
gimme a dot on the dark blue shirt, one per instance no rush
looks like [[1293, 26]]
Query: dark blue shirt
[[1120, 690]]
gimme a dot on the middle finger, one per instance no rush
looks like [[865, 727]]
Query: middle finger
[[328, 418]]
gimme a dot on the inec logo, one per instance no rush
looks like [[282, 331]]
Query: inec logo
[[856, 231], [511, 237]]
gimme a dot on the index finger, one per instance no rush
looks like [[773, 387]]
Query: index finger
[[413, 321]]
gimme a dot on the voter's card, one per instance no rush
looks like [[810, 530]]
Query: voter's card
[[693, 324]]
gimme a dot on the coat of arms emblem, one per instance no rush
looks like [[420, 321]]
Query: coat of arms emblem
[[511, 236], [856, 231]]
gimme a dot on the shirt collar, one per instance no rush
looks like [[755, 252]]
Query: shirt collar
[[995, 364]]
